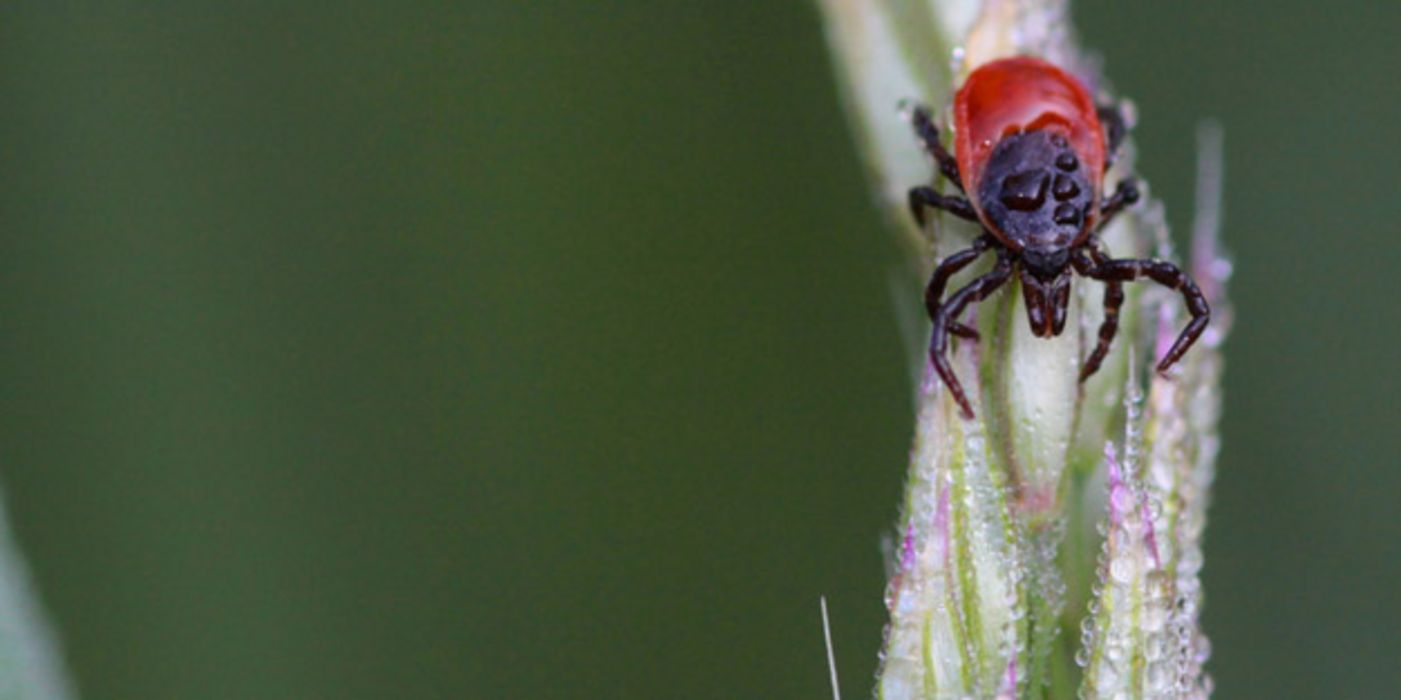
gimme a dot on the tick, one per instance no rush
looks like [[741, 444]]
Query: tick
[[1030, 152]]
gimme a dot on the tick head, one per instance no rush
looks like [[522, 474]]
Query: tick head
[[1046, 262]]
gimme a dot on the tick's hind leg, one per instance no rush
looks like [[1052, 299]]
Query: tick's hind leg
[[1168, 275], [944, 318], [929, 134], [922, 197]]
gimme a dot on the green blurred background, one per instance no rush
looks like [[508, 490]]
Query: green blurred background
[[545, 350]]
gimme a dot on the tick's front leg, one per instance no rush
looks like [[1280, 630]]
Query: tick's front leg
[[1124, 195], [929, 134], [922, 197]]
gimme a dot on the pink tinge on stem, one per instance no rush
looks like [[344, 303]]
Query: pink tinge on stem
[[1166, 332], [1037, 501], [1150, 537], [907, 563], [1008, 691], [930, 381], [1120, 500], [941, 528], [907, 549]]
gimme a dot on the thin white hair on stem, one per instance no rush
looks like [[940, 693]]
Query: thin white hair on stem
[[831, 656]]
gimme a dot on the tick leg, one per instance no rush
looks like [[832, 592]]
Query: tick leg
[[1115, 129], [921, 197], [940, 279], [1168, 275], [976, 290], [929, 134], [1113, 299], [1125, 194]]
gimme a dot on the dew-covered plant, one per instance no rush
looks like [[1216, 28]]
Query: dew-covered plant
[[1051, 546]]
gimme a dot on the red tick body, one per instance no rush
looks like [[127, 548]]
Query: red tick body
[[1031, 151], [1005, 98]]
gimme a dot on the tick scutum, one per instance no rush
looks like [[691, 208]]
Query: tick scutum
[[1037, 197]]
